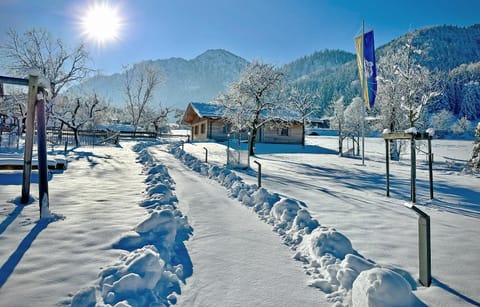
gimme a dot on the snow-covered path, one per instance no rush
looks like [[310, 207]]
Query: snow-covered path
[[234, 263], [42, 263]]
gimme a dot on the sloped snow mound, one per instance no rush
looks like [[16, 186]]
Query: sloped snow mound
[[380, 287], [138, 279], [324, 240], [284, 212]]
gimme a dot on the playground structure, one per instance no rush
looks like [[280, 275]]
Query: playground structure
[[424, 241], [37, 93]]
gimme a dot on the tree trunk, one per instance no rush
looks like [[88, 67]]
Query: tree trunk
[[303, 133], [358, 145], [75, 134], [251, 141], [340, 139]]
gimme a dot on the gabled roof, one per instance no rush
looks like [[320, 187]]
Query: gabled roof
[[205, 109], [198, 110]]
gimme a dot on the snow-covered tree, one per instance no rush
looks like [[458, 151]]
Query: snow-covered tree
[[442, 120], [254, 99], [475, 160], [36, 49], [139, 84], [405, 88], [470, 106], [354, 121], [338, 121], [76, 113], [303, 102], [407, 85], [462, 125]]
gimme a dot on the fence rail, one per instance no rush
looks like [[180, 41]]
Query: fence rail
[[10, 139]]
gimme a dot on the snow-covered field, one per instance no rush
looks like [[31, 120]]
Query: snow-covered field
[[142, 226]]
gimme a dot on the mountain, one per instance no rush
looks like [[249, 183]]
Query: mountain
[[317, 63], [453, 51], [448, 49], [199, 79], [443, 47]]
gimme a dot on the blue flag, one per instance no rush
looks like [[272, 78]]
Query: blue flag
[[366, 61]]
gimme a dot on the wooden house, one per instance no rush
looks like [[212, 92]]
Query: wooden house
[[206, 122]]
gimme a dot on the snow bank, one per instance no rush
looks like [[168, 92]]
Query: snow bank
[[347, 278], [379, 287], [149, 274]]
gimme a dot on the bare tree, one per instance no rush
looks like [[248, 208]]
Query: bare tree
[[353, 122], [338, 121], [303, 102], [15, 105], [75, 115], [254, 99], [36, 49], [158, 118], [140, 82]]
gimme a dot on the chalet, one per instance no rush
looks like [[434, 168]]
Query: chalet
[[207, 122]]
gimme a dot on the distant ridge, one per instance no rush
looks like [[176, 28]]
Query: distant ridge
[[330, 72]]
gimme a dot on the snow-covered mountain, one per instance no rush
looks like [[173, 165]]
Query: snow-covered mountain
[[454, 51], [198, 79]]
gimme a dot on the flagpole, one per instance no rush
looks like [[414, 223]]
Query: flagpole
[[363, 92]]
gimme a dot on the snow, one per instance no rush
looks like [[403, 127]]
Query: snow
[[381, 287], [343, 193], [181, 231], [204, 109]]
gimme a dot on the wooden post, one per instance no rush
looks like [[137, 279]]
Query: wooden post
[[29, 132], [387, 161], [42, 155], [206, 154], [430, 165], [413, 164]]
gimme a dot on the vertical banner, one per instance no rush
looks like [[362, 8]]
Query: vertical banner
[[365, 47]]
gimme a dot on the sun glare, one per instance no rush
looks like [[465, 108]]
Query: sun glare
[[101, 23]]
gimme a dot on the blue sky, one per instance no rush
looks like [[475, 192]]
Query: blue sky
[[274, 31]]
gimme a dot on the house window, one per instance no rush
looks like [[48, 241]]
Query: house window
[[196, 130], [202, 129], [283, 131]]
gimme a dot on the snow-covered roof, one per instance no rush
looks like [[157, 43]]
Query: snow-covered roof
[[205, 109], [215, 111]]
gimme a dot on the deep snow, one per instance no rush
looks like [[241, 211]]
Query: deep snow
[[132, 229]]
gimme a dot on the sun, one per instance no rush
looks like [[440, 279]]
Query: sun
[[101, 23]]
